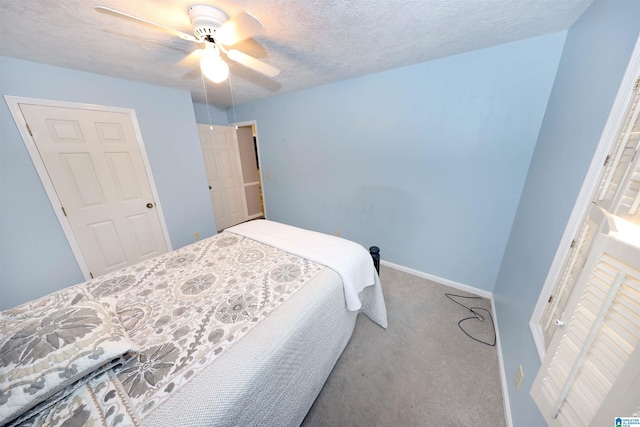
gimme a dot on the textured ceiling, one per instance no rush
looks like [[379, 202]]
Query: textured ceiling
[[313, 42]]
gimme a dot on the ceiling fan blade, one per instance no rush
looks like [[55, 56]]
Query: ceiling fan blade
[[192, 60], [184, 36], [253, 63], [238, 28]]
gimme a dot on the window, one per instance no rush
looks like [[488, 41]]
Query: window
[[587, 328], [618, 192]]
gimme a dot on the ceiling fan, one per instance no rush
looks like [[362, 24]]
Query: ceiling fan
[[217, 32]]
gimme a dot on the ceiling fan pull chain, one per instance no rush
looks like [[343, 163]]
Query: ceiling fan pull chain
[[233, 102], [206, 100]]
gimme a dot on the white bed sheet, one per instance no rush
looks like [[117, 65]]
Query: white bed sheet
[[349, 259]]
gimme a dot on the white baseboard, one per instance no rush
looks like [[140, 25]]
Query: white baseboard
[[503, 373], [442, 281], [479, 292]]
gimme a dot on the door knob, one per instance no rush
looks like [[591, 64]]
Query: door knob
[[149, 205]]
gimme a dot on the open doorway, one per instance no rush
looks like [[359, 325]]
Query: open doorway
[[233, 172], [224, 174], [250, 161]]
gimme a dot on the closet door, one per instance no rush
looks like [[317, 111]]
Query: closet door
[[94, 161]]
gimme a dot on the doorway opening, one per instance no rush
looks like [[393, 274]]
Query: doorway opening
[[232, 162], [248, 149]]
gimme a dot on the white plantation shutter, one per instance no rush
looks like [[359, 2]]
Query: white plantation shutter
[[584, 363], [620, 189], [620, 158], [618, 193], [624, 397], [629, 203], [570, 272]]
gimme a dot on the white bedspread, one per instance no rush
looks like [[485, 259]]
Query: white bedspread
[[350, 260], [272, 376]]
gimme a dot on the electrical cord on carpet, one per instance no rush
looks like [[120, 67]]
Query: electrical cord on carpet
[[476, 315]]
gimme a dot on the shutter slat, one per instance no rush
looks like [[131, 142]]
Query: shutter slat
[[611, 362], [601, 362], [579, 403], [618, 167], [620, 328], [592, 336], [568, 277], [595, 382]]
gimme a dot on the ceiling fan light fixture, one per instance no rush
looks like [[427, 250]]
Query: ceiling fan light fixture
[[215, 30], [214, 68]]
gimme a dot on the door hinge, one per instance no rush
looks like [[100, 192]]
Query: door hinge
[[91, 274], [29, 129], [550, 299], [63, 211], [635, 87], [573, 244], [606, 161]]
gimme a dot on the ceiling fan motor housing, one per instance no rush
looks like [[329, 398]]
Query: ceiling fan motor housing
[[206, 20]]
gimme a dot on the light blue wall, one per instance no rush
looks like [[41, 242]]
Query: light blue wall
[[426, 161], [35, 257], [595, 57], [212, 114]]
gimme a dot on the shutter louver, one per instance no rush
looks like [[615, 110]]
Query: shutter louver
[[620, 158], [598, 341], [620, 188], [569, 275], [629, 207]]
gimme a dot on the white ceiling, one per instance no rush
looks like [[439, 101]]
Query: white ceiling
[[313, 42]]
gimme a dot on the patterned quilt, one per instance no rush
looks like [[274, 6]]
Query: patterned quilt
[[182, 310], [185, 308]]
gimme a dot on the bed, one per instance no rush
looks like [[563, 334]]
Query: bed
[[242, 328]]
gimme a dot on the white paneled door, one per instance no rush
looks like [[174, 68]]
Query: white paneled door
[[94, 162], [222, 162]]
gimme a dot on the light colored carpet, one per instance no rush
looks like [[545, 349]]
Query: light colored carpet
[[421, 371]]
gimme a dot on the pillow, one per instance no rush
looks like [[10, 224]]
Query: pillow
[[54, 346]]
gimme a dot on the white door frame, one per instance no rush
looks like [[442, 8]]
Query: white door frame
[[261, 168], [589, 186], [13, 104]]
